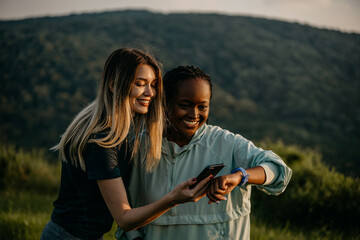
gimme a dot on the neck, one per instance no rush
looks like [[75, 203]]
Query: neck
[[180, 139]]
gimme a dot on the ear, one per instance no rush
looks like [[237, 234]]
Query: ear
[[111, 85]]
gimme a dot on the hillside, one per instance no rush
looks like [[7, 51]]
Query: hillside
[[273, 80]]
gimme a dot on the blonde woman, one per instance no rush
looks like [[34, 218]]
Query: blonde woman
[[95, 153]]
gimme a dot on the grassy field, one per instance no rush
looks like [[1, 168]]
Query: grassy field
[[29, 185], [24, 214]]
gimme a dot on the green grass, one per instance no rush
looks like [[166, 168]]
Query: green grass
[[24, 214], [29, 185], [261, 230]]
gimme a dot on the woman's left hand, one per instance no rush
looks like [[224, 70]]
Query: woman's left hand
[[221, 186]]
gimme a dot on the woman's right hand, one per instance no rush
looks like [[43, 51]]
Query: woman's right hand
[[182, 193]]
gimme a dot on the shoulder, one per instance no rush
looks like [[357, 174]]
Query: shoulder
[[96, 139], [94, 150], [216, 132], [215, 137], [102, 162]]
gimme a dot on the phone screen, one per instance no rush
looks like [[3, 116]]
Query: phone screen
[[213, 169]]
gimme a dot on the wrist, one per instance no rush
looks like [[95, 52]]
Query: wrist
[[239, 176], [170, 200], [244, 175]]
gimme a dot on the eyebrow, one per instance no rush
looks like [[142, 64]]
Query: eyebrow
[[188, 101], [145, 79]]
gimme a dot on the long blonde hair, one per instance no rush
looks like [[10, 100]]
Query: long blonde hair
[[111, 110]]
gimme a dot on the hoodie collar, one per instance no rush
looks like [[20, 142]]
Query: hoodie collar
[[172, 149]]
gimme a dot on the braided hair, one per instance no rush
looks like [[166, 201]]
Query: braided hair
[[173, 79]]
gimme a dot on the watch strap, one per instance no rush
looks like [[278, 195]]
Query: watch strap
[[245, 175]]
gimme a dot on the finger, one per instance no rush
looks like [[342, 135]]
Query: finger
[[210, 191], [221, 183], [215, 194], [220, 191], [220, 197], [188, 182], [208, 195], [211, 202], [215, 187], [212, 186], [198, 196], [217, 197], [199, 186], [202, 192], [212, 197]]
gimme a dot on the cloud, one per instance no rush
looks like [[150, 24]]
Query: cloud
[[297, 5]]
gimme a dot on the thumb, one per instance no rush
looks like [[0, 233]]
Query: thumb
[[190, 181]]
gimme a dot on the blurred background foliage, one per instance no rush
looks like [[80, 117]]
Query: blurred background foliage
[[316, 197], [274, 79], [319, 203]]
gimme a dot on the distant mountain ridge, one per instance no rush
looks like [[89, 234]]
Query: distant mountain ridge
[[272, 79]]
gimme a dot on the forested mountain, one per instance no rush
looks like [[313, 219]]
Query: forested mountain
[[273, 80]]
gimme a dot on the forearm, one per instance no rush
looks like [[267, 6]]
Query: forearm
[[114, 194], [136, 217], [180, 194], [256, 175]]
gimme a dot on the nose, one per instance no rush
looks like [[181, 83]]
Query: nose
[[194, 113], [149, 91]]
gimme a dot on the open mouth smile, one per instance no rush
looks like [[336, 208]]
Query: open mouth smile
[[144, 102], [191, 123]]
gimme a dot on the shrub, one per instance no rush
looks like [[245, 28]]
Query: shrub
[[27, 170], [316, 196]]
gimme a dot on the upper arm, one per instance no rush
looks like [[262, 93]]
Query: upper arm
[[114, 194]]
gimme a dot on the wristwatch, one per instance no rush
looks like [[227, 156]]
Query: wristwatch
[[245, 176]]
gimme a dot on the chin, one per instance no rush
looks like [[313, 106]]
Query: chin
[[189, 133], [141, 110]]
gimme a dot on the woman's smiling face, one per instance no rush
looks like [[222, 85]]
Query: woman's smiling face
[[189, 109], [143, 90]]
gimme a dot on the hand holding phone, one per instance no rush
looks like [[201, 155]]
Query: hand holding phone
[[213, 169]]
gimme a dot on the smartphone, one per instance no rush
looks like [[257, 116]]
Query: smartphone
[[213, 169]]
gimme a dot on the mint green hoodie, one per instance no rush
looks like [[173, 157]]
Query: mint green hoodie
[[209, 145]]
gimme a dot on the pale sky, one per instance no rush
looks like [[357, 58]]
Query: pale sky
[[341, 15]]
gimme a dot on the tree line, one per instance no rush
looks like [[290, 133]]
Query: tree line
[[272, 79]]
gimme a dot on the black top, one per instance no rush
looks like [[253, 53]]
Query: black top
[[80, 207]]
